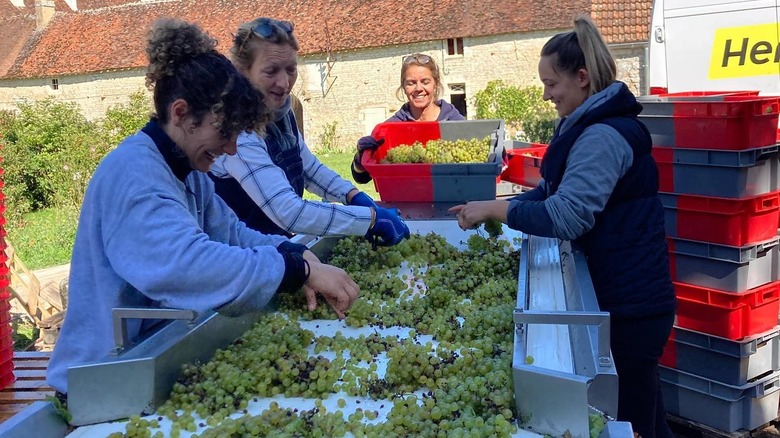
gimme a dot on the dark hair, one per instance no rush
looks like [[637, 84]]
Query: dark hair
[[584, 47], [247, 40], [421, 60], [184, 64]]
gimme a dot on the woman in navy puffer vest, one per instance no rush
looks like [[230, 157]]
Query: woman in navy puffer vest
[[600, 190]]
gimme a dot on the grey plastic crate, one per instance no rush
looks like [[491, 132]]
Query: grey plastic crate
[[724, 407], [722, 267], [723, 360], [718, 173]]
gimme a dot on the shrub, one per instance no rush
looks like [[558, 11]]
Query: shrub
[[39, 141], [125, 119], [329, 141], [50, 150], [522, 109]]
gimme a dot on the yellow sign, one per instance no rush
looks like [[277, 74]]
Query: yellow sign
[[745, 51]]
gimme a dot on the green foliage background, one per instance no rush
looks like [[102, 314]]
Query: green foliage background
[[522, 109], [50, 150]]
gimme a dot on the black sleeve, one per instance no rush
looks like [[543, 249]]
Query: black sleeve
[[294, 272], [359, 177]]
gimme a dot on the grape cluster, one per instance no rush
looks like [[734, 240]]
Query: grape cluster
[[457, 382], [441, 151]]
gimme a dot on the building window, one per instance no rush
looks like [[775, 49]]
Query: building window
[[55, 84], [458, 98], [455, 46]]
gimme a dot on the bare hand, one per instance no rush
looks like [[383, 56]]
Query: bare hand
[[338, 289], [474, 213]]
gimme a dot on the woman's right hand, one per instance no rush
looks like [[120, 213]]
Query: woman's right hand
[[338, 289], [367, 143]]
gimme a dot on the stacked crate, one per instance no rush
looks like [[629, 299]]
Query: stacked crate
[[6, 339], [719, 172]]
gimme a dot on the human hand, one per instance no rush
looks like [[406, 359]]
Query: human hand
[[310, 257], [367, 143], [472, 214], [335, 286], [363, 200], [389, 228]]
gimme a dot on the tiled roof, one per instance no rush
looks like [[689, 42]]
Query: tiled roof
[[17, 26], [622, 21], [110, 34]]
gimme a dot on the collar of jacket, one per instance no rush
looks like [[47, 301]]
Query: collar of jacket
[[173, 155]]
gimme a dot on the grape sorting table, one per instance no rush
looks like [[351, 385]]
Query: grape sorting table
[[562, 367]]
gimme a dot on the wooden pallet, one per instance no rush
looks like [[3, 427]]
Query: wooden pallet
[[30, 384], [685, 428]]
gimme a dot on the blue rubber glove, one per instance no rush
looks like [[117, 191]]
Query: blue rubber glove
[[389, 229], [363, 200]]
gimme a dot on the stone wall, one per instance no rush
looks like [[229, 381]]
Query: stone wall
[[94, 92], [355, 89]]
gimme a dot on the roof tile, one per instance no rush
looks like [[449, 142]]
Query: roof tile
[[110, 34]]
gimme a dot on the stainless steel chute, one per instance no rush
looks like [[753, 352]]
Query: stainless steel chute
[[562, 365]]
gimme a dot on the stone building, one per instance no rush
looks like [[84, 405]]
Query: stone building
[[91, 52]]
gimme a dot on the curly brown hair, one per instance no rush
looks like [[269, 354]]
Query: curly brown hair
[[184, 64]]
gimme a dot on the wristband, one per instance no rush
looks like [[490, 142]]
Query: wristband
[[306, 270]]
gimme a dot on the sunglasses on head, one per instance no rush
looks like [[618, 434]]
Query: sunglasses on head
[[264, 27], [420, 59]]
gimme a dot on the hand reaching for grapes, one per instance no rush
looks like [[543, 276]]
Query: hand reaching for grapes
[[474, 213], [338, 289]]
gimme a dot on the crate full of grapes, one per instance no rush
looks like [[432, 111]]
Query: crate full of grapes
[[453, 161]]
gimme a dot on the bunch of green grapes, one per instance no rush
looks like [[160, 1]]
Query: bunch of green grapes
[[407, 153], [441, 151], [465, 305], [459, 151], [494, 227]]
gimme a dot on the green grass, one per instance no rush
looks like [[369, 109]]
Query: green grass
[[24, 334], [340, 163], [45, 238]]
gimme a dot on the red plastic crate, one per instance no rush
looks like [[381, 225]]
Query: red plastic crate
[[6, 343], [735, 222], [5, 328], [725, 314], [423, 182], [700, 95], [7, 380], [6, 368], [524, 165], [733, 123]]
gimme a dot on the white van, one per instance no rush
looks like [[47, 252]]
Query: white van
[[714, 45]]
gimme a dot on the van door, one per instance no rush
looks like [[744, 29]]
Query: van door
[[715, 45]]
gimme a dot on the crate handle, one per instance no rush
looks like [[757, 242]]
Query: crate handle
[[762, 247], [766, 153], [768, 387], [768, 108], [768, 203], [765, 296]]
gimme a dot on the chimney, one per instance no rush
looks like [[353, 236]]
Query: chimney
[[44, 10]]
